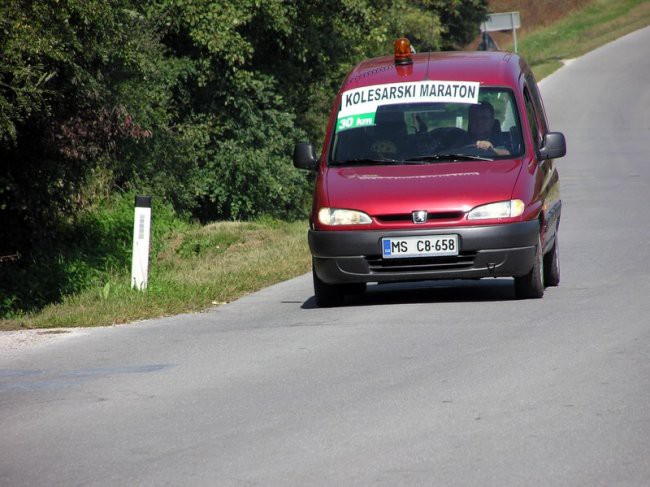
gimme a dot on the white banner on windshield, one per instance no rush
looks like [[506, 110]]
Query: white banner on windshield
[[359, 106]]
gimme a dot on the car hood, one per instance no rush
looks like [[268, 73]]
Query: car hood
[[437, 187]]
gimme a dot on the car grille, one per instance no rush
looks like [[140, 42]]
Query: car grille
[[408, 217], [420, 264]]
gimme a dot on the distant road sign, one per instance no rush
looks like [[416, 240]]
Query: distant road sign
[[503, 21]]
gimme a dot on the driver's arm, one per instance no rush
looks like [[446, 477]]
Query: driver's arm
[[487, 145]]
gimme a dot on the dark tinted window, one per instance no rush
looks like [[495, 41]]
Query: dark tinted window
[[533, 122]]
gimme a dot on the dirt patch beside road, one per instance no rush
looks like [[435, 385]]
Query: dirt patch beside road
[[15, 342]]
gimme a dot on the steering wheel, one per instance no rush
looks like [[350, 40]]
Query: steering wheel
[[425, 144], [450, 137]]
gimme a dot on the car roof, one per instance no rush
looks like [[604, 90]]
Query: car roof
[[495, 68]]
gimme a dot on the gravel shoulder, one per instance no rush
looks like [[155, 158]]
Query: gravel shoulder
[[13, 343]]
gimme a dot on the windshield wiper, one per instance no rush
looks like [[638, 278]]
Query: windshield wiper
[[449, 157], [365, 160]]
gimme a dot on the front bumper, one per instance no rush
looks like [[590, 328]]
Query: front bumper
[[485, 251]]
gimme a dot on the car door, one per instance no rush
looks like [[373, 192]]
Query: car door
[[549, 185]]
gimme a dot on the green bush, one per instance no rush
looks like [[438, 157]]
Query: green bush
[[245, 183]]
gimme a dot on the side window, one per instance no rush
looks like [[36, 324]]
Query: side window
[[537, 102], [533, 122]]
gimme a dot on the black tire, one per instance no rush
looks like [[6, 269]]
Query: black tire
[[531, 286], [552, 265], [354, 288], [327, 295]]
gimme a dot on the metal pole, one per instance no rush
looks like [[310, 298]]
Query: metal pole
[[514, 29]]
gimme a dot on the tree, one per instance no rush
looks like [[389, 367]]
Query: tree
[[199, 102], [460, 20], [63, 114]]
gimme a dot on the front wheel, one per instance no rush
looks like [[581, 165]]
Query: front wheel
[[552, 265], [327, 295], [531, 286]]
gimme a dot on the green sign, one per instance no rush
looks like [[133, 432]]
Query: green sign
[[355, 121]]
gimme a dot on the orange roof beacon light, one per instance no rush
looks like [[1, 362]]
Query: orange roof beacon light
[[403, 51]]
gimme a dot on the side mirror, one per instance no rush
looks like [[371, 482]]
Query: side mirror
[[553, 146], [304, 157]]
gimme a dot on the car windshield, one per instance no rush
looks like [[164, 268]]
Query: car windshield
[[421, 133]]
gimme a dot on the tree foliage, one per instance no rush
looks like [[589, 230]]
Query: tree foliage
[[63, 70], [196, 102]]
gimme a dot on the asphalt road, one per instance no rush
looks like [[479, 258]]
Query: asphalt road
[[423, 384]]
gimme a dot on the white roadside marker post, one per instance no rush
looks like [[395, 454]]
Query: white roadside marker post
[[141, 233]]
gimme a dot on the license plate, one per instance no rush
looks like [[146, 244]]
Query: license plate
[[419, 246]]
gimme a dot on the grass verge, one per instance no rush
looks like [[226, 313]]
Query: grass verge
[[598, 23], [197, 266]]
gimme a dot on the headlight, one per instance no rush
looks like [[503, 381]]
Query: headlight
[[337, 216], [502, 209]]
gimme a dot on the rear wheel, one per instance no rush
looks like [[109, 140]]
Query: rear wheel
[[552, 265], [327, 295], [531, 286]]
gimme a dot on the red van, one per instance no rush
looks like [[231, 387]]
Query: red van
[[435, 166]]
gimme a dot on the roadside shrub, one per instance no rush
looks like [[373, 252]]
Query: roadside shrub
[[249, 172], [242, 184]]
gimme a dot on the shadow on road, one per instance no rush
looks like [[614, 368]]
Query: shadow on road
[[430, 292]]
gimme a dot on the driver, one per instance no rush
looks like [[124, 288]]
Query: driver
[[480, 127]]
